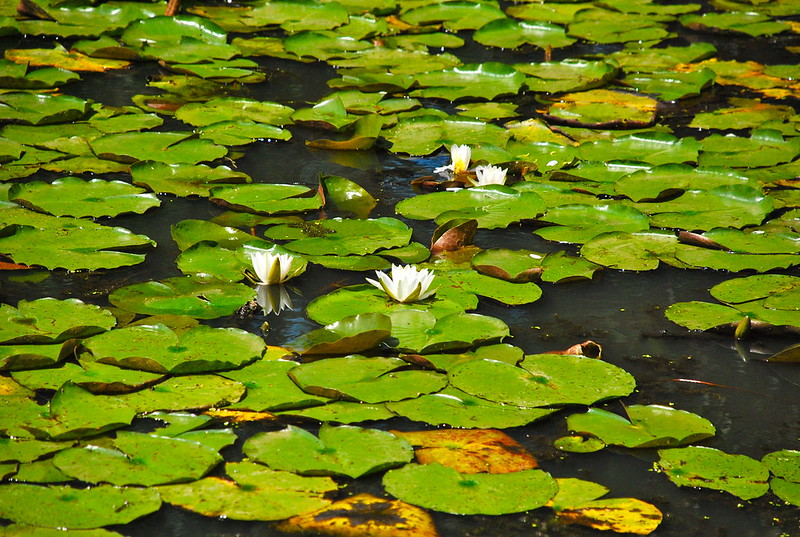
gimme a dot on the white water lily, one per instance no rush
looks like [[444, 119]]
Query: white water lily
[[489, 175], [272, 268], [273, 299], [460, 156], [406, 284]]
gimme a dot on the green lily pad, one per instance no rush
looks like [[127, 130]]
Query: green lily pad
[[92, 376], [234, 109], [187, 233], [650, 147], [485, 80], [750, 23], [72, 196], [568, 75], [525, 265], [543, 380], [348, 195], [158, 349], [241, 132], [18, 450], [42, 109], [67, 507], [257, 493], [765, 147], [493, 206], [606, 26], [269, 387], [48, 320], [171, 31], [189, 392], [263, 198], [424, 134], [193, 296], [601, 108], [345, 450], [22, 357], [580, 223], [711, 468], [744, 114], [371, 380], [338, 236], [184, 179], [346, 412], [456, 15], [459, 409], [671, 85], [139, 459], [167, 147], [667, 180], [511, 34], [19, 76], [294, 15], [357, 333], [646, 426], [420, 331], [440, 488]]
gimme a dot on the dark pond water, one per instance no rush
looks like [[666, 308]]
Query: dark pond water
[[754, 405]]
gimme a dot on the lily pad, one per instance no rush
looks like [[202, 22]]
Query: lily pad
[[371, 380], [193, 296], [707, 467], [158, 349], [265, 198], [139, 459], [646, 426], [357, 333], [601, 108], [42, 109], [420, 331], [485, 80], [510, 33], [345, 450], [48, 320], [67, 507], [184, 179], [270, 388], [440, 488]]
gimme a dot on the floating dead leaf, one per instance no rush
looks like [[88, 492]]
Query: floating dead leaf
[[470, 451], [588, 348], [239, 416], [30, 9], [453, 235], [622, 515], [12, 266], [696, 239], [364, 515]]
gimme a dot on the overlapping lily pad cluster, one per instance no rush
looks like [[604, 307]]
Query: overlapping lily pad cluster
[[133, 401]]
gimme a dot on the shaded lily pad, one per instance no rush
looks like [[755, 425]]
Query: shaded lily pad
[[357, 333], [371, 380], [21, 357], [345, 450], [68, 507], [437, 487], [158, 349], [138, 459], [646, 426], [707, 467], [257, 493]]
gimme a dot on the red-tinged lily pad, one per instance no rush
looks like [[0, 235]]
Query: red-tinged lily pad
[[158, 349], [344, 450], [711, 468], [470, 451], [440, 488], [364, 515], [257, 493], [646, 426], [67, 507]]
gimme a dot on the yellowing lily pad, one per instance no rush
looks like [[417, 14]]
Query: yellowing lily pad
[[601, 108]]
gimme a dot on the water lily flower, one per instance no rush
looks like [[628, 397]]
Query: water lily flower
[[489, 175], [406, 284], [271, 268], [460, 156], [273, 299]]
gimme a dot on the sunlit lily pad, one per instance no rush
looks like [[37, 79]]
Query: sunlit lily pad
[[345, 412], [492, 207], [424, 134], [764, 147], [601, 108], [234, 109], [22, 357], [543, 380], [19, 76], [437, 487], [651, 147], [357, 333], [511, 33], [667, 180], [184, 179], [167, 147], [606, 26], [670, 85], [138, 459], [707, 467], [68, 507], [189, 392], [196, 297], [264, 198], [92, 376], [646, 426], [485, 80], [567, 75], [257, 493], [346, 450], [786, 481], [340, 236], [61, 58], [420, 331], [158, 349], [579, 223], [371, 380], [293, 16], [750, 23], [270, 388], [42, 109], [456, 15], [72, 196], [48, 320]]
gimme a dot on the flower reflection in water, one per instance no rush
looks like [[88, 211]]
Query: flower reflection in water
[[273, 299]]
